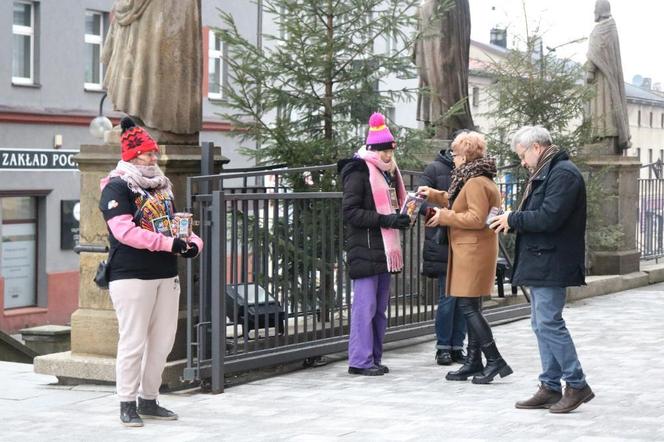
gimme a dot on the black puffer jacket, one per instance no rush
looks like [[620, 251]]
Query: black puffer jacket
[[434, 252], [550, 228], [363, 241]]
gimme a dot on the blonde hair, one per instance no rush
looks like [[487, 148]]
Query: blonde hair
[[472, 145]]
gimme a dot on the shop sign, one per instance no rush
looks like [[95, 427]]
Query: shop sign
[[34, 159]]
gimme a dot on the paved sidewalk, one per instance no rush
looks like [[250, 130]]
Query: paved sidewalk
[[619, 337]]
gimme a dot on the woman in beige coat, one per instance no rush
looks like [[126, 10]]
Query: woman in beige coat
[[471, 267]]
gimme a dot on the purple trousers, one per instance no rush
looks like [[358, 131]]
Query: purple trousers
[[368, 321]]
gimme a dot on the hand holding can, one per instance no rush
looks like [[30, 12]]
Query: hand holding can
[[182, 222]]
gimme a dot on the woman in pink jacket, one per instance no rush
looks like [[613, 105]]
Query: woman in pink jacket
[[138, 205]]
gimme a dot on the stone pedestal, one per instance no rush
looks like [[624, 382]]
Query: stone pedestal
[[620, 182], [94, 329]]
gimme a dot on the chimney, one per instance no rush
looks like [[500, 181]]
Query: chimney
[[499, 37]]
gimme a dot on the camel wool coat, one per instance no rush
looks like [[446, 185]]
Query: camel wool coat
[[473, 247]]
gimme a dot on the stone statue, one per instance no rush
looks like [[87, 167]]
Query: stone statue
[[608, 108], [441, 54], [153, 55]]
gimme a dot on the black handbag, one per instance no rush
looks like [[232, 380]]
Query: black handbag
[[103, 272], [104, 268]]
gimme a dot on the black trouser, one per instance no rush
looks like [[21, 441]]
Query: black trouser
[[477, 325]]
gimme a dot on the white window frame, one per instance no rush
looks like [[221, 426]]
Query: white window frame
[[213, 55], [96, 40], [28, 31]]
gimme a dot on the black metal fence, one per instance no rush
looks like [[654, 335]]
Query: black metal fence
[[650, 228], [272, 284]]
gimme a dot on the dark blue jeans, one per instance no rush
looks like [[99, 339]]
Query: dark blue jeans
[[450, 323]]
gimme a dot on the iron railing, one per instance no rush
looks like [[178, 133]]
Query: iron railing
[[650, 227], [272, 286]]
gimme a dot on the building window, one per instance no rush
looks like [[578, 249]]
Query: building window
[[23, 61], [476, 96], [638, 153], [94, 42], [650, 163], [650, 119], [215, 67], [662, 122], [19, 251]]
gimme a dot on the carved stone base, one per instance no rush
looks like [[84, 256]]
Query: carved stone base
[[619, 180], [615, 263], [75, 369]]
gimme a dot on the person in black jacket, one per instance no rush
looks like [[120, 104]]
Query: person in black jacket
[[450, 323], [137, 203], [550, 226], [373, 193]]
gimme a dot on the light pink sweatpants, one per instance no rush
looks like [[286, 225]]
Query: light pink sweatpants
[[147, 312]]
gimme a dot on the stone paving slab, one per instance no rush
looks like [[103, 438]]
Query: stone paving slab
[[619, 337]]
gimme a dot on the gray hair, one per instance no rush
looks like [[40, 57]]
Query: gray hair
[[529, 135]]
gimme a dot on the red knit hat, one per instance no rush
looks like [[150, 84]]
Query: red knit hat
[[135, 140]]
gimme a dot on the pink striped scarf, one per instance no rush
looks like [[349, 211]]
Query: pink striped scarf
[[381, 196]]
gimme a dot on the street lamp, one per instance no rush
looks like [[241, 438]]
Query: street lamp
[[100, 124]]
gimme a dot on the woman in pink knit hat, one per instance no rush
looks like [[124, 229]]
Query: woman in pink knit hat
[[373, 192]]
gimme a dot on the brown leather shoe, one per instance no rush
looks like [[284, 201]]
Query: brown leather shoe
[[543, 398], [572, 398]]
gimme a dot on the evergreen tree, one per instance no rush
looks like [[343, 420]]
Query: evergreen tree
[[536, 87], [308, 94]]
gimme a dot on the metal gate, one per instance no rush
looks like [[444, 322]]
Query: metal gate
[[271, 285]]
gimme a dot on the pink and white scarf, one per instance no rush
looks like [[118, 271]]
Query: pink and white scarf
[[140, 178], [381, 196]]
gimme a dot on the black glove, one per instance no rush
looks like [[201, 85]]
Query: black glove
[[192, 252], [394, 221], [179, 246]]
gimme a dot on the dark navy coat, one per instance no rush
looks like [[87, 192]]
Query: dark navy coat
[[551, 227], [435, 249]]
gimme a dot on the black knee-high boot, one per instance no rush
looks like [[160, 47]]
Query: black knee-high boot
[[473, 363], [495, 365]]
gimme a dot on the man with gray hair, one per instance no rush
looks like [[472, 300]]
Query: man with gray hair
[[550, 225]]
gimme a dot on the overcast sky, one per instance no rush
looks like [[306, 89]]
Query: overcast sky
[[640, 28]]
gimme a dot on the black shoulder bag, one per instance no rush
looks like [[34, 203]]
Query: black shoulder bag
[[102, 277], [103, 271]]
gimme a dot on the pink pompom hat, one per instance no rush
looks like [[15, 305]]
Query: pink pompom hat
[[379, 136]]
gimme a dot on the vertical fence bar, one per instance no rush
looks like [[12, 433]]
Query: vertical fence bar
[[217, 293], [324, 270], [190, 279], [276, 288], [296, 268]]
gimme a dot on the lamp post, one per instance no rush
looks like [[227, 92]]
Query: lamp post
[[100, 124]]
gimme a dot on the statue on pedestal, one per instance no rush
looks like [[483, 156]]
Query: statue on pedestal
[[441, 54], [608, 108], [153, 58]]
